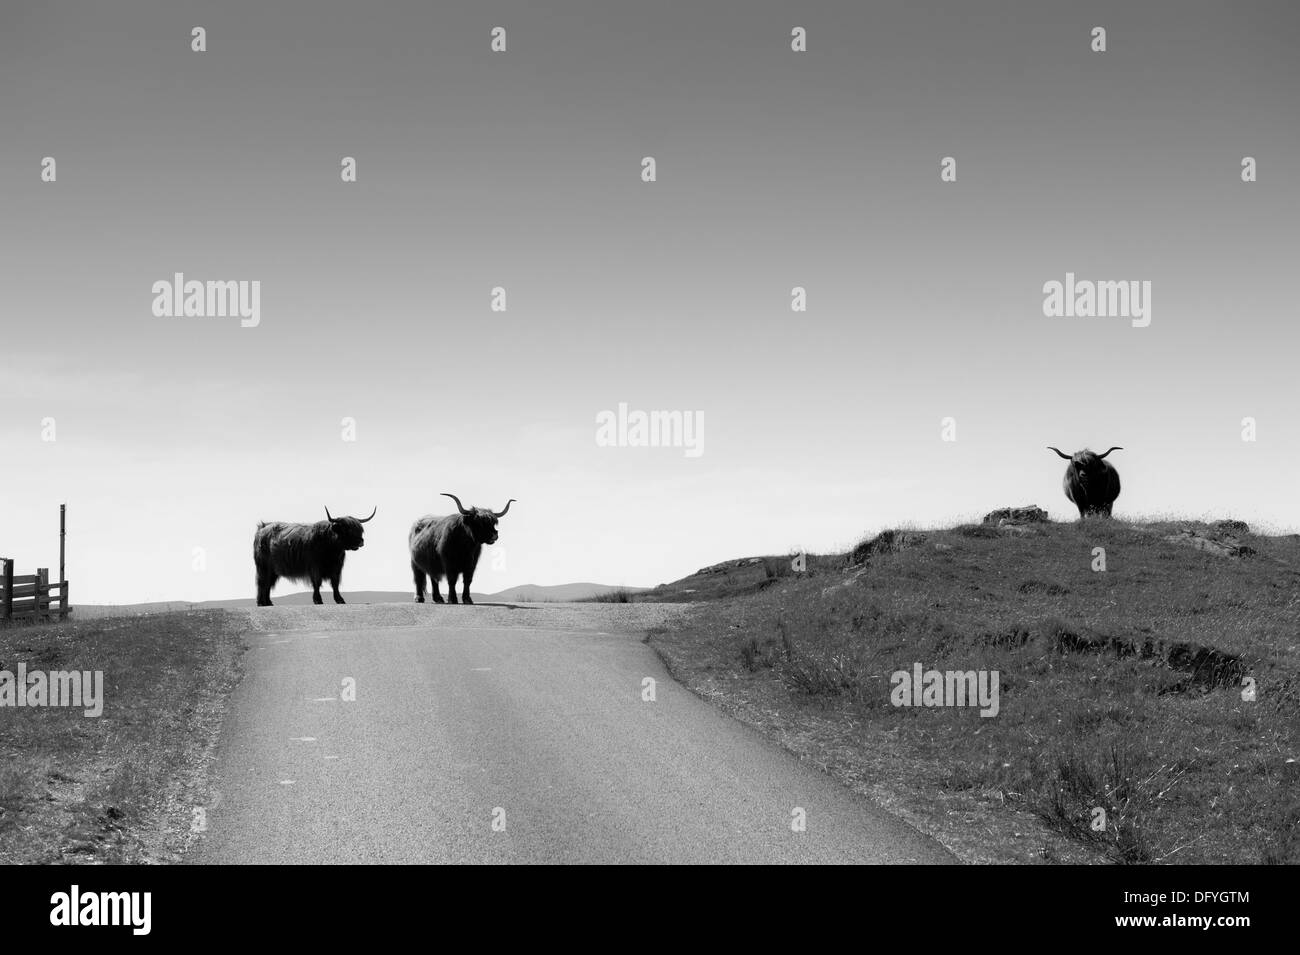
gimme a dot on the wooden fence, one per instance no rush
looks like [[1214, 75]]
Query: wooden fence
[[31, 598]]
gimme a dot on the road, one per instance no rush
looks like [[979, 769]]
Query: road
[[509, 744]]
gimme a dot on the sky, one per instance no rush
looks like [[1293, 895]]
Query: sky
[[378, 373]]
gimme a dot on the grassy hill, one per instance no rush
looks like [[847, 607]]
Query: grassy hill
[[1123, 733]]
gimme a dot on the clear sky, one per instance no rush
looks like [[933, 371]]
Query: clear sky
[[522, 169]]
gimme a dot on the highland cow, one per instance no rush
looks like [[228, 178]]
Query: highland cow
[[305, 553], [450, 547], [1090, 483]]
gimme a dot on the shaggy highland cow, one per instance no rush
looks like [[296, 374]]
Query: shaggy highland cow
[[450, 546], [1091, 483], [306, 553]]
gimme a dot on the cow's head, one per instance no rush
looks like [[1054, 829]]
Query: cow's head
[[349, 530], [481, 521], [1087, 465]]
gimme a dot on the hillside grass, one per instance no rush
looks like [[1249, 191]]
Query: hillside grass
[[1120, 690], [121, 787], [733, 578]]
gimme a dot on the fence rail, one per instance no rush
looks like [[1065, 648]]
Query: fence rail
[[31, 597]]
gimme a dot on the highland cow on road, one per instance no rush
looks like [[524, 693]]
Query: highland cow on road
[[308, 553], [450, 547], [1090, 483]]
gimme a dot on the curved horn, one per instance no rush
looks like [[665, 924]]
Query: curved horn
[[463, 511], [1100, 456], [1062, 453], [372, 514], [327, 514], [502, 512]]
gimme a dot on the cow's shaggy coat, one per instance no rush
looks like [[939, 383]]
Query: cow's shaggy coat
[[1091, 483], [308, 553], [450, 546]]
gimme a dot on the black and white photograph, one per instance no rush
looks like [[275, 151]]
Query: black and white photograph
[[740, 433]]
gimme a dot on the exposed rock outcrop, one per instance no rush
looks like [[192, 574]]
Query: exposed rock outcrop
[[1010, 516], [1225, 545]]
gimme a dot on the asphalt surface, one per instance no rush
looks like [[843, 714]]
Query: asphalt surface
[[510, 744]]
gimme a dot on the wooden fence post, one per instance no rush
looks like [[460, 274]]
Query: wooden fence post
[[41, 605], [7, 608], [63, 536]]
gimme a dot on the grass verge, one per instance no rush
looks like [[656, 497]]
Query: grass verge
[[122, 787]]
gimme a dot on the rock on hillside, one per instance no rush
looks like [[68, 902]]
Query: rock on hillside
[[1008, 516]]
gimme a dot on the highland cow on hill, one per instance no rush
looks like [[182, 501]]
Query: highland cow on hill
[[450, 547], [1091, 483], [308, 553]]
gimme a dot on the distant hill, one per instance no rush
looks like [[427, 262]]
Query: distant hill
[[732, 578], [535, 593], [525, 593]]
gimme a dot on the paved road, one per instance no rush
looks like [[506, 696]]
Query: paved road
[[544, 730]]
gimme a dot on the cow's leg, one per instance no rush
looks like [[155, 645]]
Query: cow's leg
[[434, 593], [469, 579], [315, 590], [264, 585], [419, 576], [451, 586], [335, 578]]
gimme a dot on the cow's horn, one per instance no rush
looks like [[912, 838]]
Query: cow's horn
[[1062, 453], [1100, 456], [327, 514], [502, 512], [463, 511], [372, 514]]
